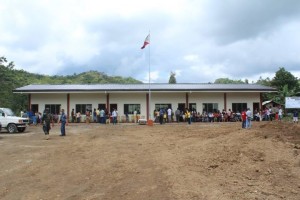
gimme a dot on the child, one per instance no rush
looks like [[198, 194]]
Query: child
[[244, 118]]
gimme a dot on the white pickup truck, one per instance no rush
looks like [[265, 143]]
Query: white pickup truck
[[11, 122]]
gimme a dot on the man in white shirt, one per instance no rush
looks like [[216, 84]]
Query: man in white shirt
[[280, 114], [102, 116], [135, 116], [169, 115], [114, 116], [270, 114], [249, 118]]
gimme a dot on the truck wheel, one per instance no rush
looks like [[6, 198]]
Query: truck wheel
[[12, 128], [21, 130]]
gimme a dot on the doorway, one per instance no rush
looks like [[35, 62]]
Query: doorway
[[34, 108], [181, 106], [112, 107]]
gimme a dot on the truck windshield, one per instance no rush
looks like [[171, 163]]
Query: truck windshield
[[9, 112]]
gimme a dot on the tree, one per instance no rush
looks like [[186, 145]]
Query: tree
[[2, 60], [265, 82], [282, 78], [285, 92], [227, 81], [286, 84], [172, 79]]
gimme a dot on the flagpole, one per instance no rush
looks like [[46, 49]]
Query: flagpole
[[147, 42], [149, 101]]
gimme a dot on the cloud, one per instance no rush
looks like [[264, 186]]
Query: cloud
[[198, 40]]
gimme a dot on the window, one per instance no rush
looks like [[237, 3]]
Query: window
[[130, 108], [53, 108], [102, 106], [192, 106], [239, 107], [112, 107], [163, 106], [83, 107], [181, 106], [210, 107]]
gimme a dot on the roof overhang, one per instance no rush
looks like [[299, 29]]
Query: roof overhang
[[145, 88]]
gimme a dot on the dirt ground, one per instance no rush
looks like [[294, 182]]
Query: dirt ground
[[171, 161]]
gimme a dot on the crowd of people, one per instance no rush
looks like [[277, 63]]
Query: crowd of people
[[101, 116], [167, 115], [162, 115]]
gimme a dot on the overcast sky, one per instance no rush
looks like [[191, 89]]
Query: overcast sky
[[199, 40]]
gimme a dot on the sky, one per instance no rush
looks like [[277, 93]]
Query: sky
[[199, 40]]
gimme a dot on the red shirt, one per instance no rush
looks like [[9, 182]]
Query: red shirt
[[244, 116]]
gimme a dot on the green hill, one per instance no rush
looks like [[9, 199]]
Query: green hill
[[12, 78]]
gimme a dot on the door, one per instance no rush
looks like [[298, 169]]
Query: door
[[34, 108], [112, 107], [255, 106], [181, 106]]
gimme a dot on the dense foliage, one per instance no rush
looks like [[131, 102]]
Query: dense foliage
[[12, 78], [286, 83], [229, 81], [172, 79]]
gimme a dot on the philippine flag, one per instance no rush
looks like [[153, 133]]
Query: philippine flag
[[146, 42]]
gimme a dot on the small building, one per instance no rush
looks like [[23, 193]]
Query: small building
[[144, 98]]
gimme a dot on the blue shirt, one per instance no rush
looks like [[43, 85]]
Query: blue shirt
[[63, 118]]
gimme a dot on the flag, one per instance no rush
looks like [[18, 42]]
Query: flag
[[146, 42]]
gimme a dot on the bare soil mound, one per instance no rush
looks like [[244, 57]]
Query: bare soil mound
[[170, 161]]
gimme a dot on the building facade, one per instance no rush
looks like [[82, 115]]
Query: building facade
[[144, 98]]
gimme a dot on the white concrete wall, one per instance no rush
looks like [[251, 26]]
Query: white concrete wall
[[128, 98], [86, 98], [43, 99], [206, 97], [167, 98], [140, 98], [244, 97]]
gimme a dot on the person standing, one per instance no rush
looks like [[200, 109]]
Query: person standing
[[135, 116], [78, 117], [126, 117], [63, 121], [249, 118], [94, 116], [157, 116], [165, 115], [46, 120], [114, 116], [270, 113], [102, 116], [244, 119], [229, 113], [34, 119], [169, 111], [295, 116], [177, 114], [87, 116], [188, 116], [98, 115], [161, 115], [280, 114], [73, 115]]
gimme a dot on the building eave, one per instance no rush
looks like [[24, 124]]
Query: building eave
[[143, 88]]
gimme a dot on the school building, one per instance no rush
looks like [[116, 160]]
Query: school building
[[144, 98]]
